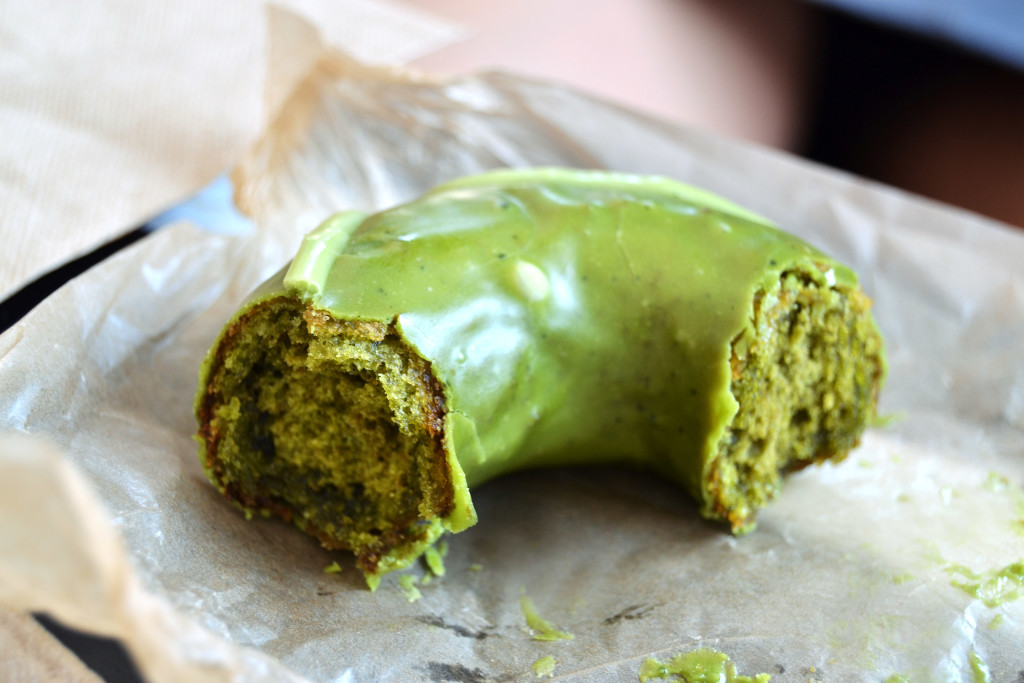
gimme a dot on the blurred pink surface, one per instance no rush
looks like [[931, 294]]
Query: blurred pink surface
[[729, 66]]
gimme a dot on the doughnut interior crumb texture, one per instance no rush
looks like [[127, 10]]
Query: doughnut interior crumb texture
[[807, 383], [334, 426], [337, 426]]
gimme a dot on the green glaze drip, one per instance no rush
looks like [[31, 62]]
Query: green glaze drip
[[545, 666], [698, 666], [319, 249], [435, 561], [568, 317], [996, 622], [993, 588], [979, 669], [542, 628], [407, 582]]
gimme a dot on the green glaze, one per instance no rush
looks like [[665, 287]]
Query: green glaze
[[698, 666], [898, 678], [545, 666], [434, 560], [524, 288], [542, 628], [979, 668], [319, 250], [407, 582], [571, 317], [993, 588]]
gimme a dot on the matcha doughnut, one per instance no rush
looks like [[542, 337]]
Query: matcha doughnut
[[533, 318]]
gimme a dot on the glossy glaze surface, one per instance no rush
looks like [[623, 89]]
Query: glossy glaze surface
[[572, 316]]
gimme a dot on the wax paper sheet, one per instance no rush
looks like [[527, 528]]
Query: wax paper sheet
[[849, 576]]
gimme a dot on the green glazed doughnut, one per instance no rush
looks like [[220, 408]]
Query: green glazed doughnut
[[532, 318]]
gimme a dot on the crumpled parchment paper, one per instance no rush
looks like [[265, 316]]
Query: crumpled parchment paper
[[849, 575], [113, 110]]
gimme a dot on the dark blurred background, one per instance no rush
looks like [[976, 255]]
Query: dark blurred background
[[939, 119], [927, 95]]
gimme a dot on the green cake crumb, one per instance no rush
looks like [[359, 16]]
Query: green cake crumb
[[993, 588], [996, 622], [333, 568], [407, 582], [898, 678], [886, 421], [699, 666], [434, 560], [996, 482], [545, 666], [278, 455], [476, 567], [542, 628], [979, 669]]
